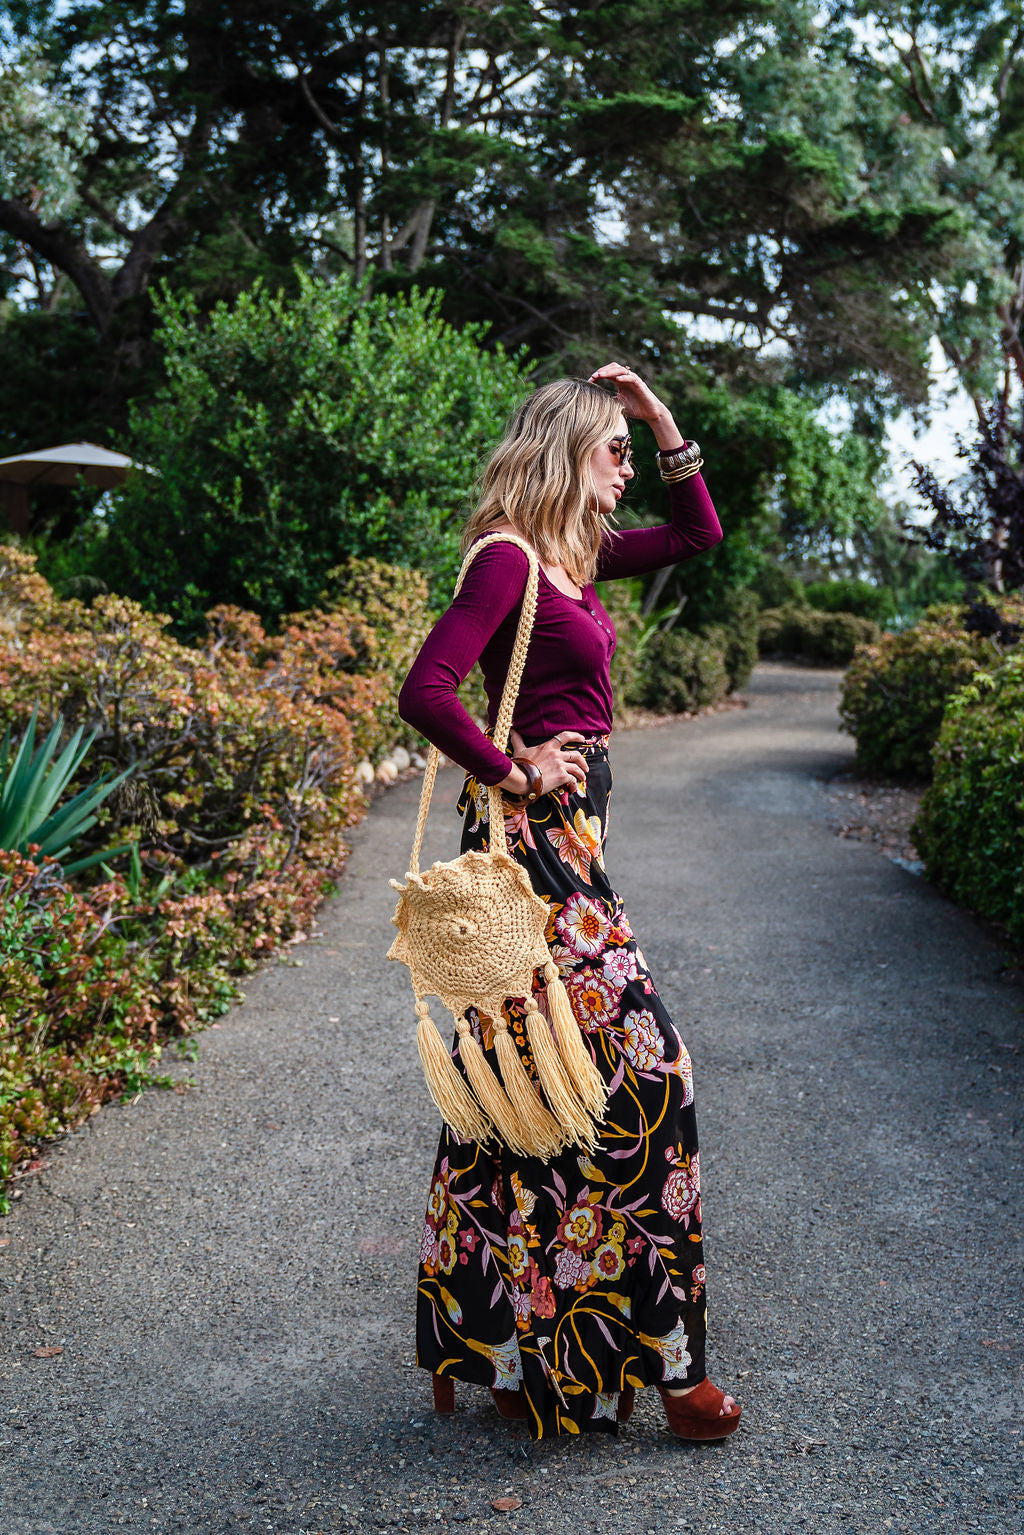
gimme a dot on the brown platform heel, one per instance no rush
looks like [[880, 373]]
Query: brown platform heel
[[511, 1404], [444, 1393], [625, 1404], [698, 1415]]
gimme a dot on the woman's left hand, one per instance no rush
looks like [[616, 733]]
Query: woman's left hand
[[636, 398]]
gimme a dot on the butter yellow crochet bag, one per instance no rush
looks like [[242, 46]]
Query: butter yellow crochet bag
[[472, 932]]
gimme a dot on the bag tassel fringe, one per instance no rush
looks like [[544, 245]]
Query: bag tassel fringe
[[541, 1132], [493, 1097], [554, 1079], [455, 1103], [583, 1074]]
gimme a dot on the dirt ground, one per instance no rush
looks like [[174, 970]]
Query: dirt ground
[[868, 810]]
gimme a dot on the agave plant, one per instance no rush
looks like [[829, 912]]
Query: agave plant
[[31, 788]]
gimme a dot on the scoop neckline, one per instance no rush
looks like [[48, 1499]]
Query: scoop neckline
[[581, 600]]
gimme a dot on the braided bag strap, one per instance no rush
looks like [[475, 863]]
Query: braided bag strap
[[509, 696]]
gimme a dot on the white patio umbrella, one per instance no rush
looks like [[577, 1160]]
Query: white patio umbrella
[[63, 465]]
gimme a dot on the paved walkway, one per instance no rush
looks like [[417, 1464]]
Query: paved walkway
[[230, 1270]]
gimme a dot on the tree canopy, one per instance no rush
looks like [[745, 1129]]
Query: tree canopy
[[292, 434], [666, 175], [763, 197]]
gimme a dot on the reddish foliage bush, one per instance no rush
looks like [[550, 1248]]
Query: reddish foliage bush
[[243, 753]]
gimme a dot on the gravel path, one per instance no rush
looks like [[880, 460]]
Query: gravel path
[[229, 1271]]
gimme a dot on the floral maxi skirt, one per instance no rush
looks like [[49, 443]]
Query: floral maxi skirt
[[576, 1278]]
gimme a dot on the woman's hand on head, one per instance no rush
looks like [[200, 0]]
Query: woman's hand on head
[[636, 398], [639, 401]]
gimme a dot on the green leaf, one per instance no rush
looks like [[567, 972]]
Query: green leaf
[[33, 786]]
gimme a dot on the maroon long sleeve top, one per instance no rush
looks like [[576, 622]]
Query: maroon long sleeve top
[[567, 680]]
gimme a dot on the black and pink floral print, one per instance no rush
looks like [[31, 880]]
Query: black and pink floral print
[[576, 1278]]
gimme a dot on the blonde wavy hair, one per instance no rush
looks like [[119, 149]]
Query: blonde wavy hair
[[539, 479]]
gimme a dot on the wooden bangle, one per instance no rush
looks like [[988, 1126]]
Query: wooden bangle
[[534, 779]]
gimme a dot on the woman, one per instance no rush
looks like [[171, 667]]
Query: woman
[[564, 1286]]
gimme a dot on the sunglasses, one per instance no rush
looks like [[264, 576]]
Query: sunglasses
[[622, 448]]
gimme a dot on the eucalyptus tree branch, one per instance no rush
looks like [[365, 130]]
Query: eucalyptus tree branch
[[418, 249], [487, 77], [412, 225], [62, 250], [107, 214], [538, 317], [693, 304], [1014, 348], [458, 37], [384, 94], [959, 362], [147, 242], [316, 109], [908, 57], [331, 245], [1003, 77], [510, 85], [517, 115]]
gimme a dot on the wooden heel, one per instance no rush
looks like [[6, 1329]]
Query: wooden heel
[[700, 1414], [444, 1393], [624, 1408], [510, 1404]]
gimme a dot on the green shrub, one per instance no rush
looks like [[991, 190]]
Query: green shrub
[[77, 1018], [682, 672], [736, 635], [293, 433], [622, 606], [809, 635], [970, 828], [895, 690], [844, 594], [776, 587], [386, 607]]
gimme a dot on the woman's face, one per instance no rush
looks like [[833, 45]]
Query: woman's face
[[610, 468]]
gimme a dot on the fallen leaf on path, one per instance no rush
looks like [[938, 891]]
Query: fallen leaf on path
[[506, 1505], [46, 1353], [5, 1241], [994, 1343], [808, 1448]]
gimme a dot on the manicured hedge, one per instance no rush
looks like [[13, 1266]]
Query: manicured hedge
[[681, 672], [895, 691], [736, 633], [810, 635], [846, 594], [970, 829]]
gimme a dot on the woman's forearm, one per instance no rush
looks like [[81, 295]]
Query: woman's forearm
[[666, 433]]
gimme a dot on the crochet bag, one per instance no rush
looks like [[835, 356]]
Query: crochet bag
[[472, 932]]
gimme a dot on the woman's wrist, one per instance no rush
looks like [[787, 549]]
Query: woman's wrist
[[666, 433], [530, 784], [515, 783]]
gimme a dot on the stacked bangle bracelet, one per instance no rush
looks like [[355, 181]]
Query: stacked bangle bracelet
[[679, 463]]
